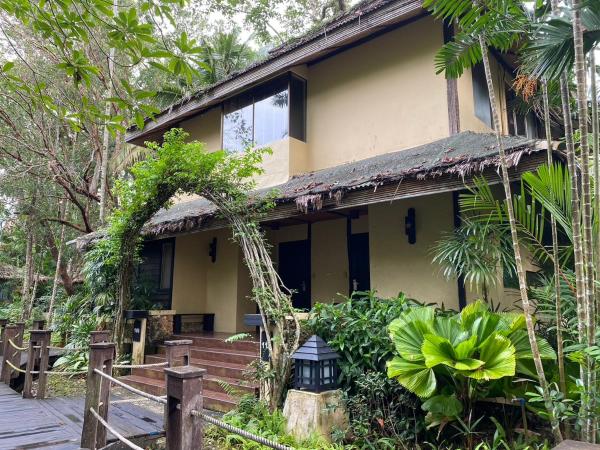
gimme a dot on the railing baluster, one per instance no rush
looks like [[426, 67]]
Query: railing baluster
[[178, 352], [37, 358], [3, 324]]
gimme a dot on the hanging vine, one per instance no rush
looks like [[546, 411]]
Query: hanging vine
[[225, 179]]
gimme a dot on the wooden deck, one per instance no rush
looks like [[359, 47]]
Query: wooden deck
[[56, 423]]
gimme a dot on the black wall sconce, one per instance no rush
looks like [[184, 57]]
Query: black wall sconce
[[212, 249], [410, 226]]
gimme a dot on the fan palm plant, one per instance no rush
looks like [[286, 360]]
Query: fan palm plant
[[466, 351]]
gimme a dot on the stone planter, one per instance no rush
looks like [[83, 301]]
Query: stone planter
[[160, 326]]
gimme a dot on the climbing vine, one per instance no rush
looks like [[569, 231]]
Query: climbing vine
[[225, 179]]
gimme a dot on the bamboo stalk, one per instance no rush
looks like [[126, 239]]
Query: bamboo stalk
[[516, 246]]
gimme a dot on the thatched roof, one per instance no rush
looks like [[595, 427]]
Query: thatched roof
[[8, 272], [462, 155]]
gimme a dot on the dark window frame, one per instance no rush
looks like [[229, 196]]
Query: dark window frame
[[296, 130], [163, 292], [482, 105]]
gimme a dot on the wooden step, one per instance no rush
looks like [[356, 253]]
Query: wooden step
[[222, 369], [217, 354], [212, 400], [210, 382], [233, 356], [217, 341]]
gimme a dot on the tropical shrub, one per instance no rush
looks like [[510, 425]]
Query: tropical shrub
[[383, 415], [357, 330], [451, 360], [253, 415]]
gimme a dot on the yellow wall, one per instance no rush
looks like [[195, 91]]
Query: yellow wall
[[329, 261], [379, 97], [398, 266], [288, 157], [206, 128], [189, 273], [201, 286]]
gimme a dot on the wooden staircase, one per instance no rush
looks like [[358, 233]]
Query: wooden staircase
[[225, 365]]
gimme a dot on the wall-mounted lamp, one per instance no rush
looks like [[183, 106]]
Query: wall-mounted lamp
[[212, 249], [410, 226]]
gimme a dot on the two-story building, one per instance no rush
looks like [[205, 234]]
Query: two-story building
[[370, 147]]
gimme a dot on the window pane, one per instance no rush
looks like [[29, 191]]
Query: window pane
[[166, 265], [271, 118], [298, 108], [237, 129], [483, 109]]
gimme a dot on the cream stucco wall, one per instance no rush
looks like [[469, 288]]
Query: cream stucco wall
[[287, 157], [189, 273], [201, 286], [378, 97], [398, 266], [329, 261], [205, 127]]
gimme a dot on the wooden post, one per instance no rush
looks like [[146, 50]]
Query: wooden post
[[93, 434], [39, 324], [184, 393], [37, 358], [10, 331], [99, 336], [12, 355], [3, 323], [178, 352]]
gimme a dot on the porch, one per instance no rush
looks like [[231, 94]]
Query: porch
[[364, 225]]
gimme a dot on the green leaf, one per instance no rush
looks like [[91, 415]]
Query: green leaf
[[413, 376], [498, 355]]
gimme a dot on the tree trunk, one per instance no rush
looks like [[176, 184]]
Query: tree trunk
[[586, 207], [106, 135], [27, 270], [33, 294], [61, 241], [596, 212], [516, 247], [555, 255]]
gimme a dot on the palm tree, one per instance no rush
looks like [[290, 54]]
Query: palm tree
[[487, 26], [223, 54]]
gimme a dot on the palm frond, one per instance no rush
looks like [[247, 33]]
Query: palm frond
[[551, 187], [551, 51]]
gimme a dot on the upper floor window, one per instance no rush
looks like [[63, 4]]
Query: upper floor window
[[481, 96], [266, 114]]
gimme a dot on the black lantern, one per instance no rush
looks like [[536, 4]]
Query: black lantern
[[315, 366]]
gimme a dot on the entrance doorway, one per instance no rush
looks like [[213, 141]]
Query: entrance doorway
[[360, 274], [294, 270]]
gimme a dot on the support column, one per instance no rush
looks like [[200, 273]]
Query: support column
[[93, 434], [184, 394]]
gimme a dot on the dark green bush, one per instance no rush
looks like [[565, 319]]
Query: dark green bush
[[383, 415], [357, 330]]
